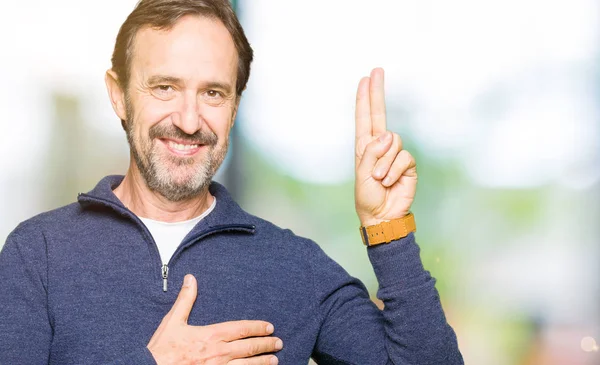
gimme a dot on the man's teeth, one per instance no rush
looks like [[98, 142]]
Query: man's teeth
[[182, 147]]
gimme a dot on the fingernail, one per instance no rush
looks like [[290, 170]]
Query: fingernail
[[274, 360], [279, 345], [270, 328], [387, 181], [384, 137], [187, 281]]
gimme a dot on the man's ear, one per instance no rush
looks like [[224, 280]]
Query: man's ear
[[116, 94]]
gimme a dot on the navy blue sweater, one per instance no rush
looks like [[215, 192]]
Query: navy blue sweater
[[83, 285]]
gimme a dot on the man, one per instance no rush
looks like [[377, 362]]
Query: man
[[161, 266]]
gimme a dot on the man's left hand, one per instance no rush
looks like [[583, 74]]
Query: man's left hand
[[386, 175]]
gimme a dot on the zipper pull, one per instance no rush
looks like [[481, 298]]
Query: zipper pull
[[165, 275]]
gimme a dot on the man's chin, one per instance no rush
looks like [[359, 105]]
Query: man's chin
[[176, 192], [178, 183]]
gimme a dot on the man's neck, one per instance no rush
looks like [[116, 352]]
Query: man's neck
[[143, 202]]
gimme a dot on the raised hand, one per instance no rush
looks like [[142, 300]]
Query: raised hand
[[386, 175], [232, 343]]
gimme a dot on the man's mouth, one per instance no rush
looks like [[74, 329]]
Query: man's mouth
[[181, 148]]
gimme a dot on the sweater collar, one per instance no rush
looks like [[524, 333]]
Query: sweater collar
[[226, 212]]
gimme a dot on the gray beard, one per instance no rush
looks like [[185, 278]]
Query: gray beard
[[157, 178], [155, 171]]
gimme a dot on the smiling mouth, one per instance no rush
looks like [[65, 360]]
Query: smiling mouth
[[181, 149]]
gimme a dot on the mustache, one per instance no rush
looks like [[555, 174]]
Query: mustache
[[202, 137]]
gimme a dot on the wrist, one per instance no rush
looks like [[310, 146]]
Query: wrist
[[388, 231], [369, 220]]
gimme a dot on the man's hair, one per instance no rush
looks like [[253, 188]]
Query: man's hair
[[163, 14]]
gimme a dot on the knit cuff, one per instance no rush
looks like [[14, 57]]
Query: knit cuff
[[398, 263]]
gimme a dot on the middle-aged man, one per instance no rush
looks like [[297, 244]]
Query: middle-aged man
[[161, 266]]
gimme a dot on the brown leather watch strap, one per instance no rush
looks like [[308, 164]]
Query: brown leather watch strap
[[386, 232]]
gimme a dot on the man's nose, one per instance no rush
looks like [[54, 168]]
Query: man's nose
[[189, 117]]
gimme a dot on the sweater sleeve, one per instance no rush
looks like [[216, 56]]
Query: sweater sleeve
[[25, 329], [411, 329]]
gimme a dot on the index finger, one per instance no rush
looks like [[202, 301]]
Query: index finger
[[235, 330], [363, 109], [377, 96]]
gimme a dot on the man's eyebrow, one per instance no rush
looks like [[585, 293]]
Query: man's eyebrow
[[162, 79], [219, 85]]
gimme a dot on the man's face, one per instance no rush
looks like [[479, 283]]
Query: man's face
[[181, 103]]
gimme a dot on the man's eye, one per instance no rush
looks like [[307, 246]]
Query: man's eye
[[213, 93], [163, 91]]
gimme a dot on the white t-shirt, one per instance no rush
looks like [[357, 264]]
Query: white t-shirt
[[168, 236]]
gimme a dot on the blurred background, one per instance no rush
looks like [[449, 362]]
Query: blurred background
[[498, 100]]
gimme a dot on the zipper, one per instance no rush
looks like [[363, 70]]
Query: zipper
[[129, 214], [164, 268], [165, 276]]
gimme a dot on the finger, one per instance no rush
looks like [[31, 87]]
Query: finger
[[185, 300], [235, 330], [377, 98], [373, 152], [258, 360], [385, 162], [363, 109], [253, 346], [404, 165]]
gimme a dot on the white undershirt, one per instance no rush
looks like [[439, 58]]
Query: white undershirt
[[168, 236]]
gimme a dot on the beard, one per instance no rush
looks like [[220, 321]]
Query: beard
[[175, 178]]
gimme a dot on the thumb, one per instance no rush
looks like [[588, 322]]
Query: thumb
[[373, 152], [185, 300]]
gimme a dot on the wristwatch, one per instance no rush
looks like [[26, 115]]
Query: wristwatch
[[386, 232]]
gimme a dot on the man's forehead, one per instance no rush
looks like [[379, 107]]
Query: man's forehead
[[185, 24], [193, 44]]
